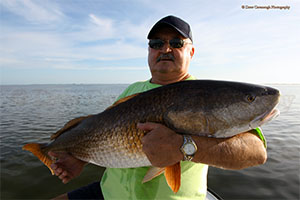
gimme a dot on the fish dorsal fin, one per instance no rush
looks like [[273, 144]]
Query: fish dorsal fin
[[173, 176], [123, 100], [152, 173], [72, 123]]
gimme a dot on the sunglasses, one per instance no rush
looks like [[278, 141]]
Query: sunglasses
[[174, 43]]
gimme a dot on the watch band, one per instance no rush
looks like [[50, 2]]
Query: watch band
[[187, 140]]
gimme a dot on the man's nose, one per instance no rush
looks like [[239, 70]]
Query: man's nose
[[166, 47]]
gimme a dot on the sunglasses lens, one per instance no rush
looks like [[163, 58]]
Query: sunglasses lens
[[156, 43], [176, 43]]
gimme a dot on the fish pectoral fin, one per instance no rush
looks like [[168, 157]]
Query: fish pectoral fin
[[122, 100], [72, 123], [152, 173], [173, 176], [36, 150]]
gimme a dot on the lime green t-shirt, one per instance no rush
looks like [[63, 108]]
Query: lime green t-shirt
[[126, 183], [119, 183]]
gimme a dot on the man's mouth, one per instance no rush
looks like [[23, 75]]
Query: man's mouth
[[165, 57]]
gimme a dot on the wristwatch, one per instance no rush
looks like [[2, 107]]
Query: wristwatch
[[188, 148]]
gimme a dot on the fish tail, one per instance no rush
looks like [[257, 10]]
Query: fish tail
[[36, 150]]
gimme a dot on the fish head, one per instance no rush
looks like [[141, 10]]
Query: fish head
[[243, 107], [222, 108], [264, 109]]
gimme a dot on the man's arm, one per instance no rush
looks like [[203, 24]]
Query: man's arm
[[238, 152]]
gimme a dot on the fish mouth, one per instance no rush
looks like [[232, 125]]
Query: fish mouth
[[264, 118]]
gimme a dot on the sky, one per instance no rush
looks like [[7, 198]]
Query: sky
[[105, 41]]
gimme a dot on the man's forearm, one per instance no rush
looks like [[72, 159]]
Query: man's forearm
[[238, 152]]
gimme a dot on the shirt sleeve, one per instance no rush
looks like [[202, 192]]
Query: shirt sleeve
[[258, 132], [131, 89], [123, 94]]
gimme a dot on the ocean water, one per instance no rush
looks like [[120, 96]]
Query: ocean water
[[31, 113]]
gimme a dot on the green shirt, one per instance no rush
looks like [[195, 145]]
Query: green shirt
[[126, 183]]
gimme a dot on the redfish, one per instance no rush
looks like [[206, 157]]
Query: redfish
[[209, 108]]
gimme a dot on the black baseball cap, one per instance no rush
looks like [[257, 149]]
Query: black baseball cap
[[178, 24]]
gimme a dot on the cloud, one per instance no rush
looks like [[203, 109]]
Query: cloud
[[99, 28], [30, 47], [52, 39], [240, 40], [34, 11], [101, 68], [115, 51], [51, 50], [104, 24], [96, 38]]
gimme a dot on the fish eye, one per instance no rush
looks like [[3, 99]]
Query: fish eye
[[250, 98]]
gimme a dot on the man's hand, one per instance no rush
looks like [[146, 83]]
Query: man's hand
[[161, 144], [66, 167]]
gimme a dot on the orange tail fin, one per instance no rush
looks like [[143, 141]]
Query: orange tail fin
[[173, 176], [37, 151]]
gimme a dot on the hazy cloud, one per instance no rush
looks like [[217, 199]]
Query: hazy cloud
[[34, 11]]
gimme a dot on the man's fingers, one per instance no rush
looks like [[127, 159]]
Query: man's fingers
[[58, 171], [65, 180], [148, 126], [51, 153], [63, 175], [53, 166], [58, 155]]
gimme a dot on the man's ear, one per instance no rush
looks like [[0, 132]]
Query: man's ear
[[192, 51]]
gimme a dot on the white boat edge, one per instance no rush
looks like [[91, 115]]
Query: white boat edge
[[211, 195]]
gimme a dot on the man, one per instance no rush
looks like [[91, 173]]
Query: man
[[169, 54]]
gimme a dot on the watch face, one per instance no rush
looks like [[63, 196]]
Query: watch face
[[189, 149]]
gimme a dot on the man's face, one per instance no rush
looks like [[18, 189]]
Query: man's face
[[181, 57]]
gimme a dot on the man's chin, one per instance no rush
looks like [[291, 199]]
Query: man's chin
[[166, 65]]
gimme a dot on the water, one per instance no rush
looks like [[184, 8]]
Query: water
[[32, 113]]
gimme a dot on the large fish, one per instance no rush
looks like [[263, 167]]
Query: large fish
[[200, 107]]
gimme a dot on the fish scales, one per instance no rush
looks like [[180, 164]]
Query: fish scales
[[200, 107]]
